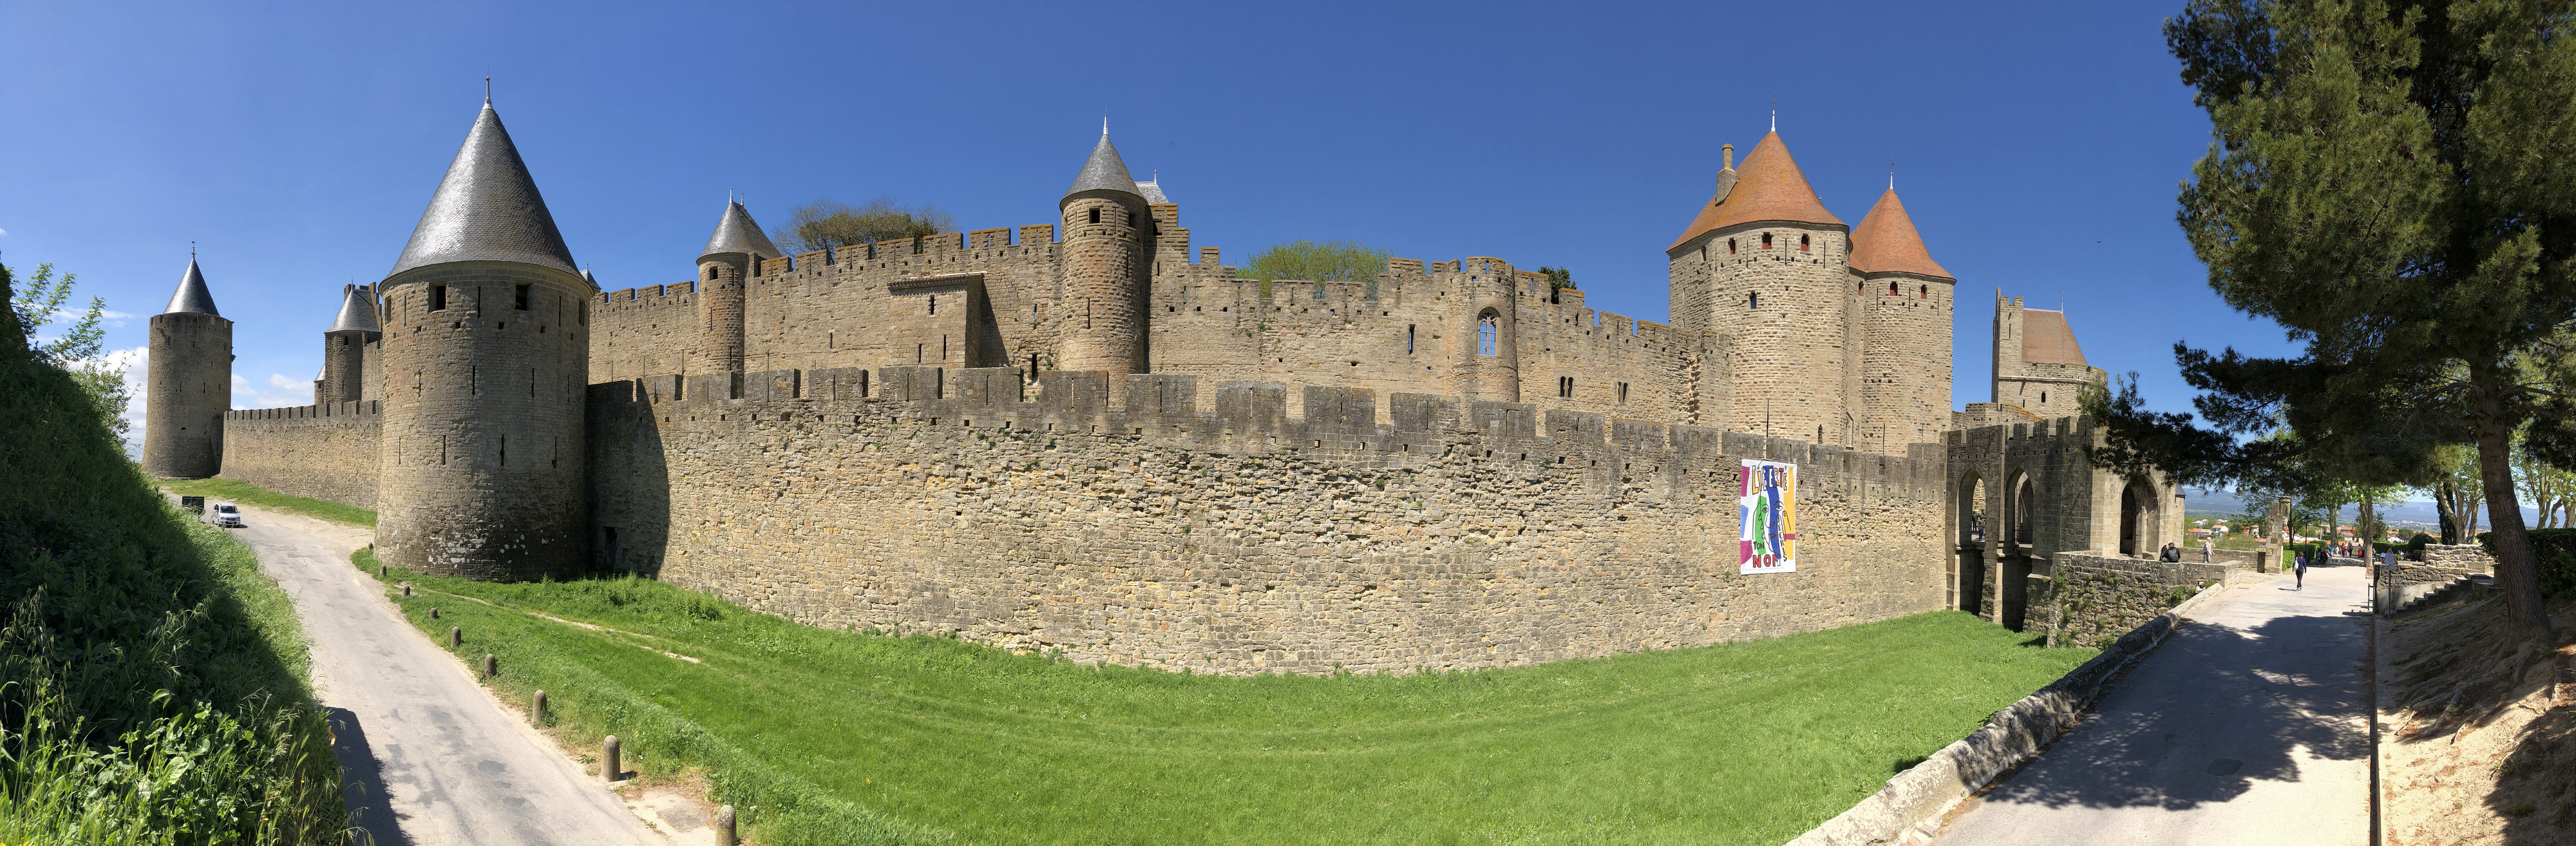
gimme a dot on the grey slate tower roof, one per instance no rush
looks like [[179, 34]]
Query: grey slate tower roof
[[736, 232], [1104, 171], [192, 296], [586, 277], [486, 209], [357, 312]]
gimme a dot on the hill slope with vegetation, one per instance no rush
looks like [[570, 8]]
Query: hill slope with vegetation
[[151, 680]]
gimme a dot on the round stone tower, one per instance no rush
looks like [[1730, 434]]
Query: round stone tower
[[1764, 265], [344, 347], [188, 384], [1108, 250], [733, 255], [485, 365], [1907, 305], [1488, 359]]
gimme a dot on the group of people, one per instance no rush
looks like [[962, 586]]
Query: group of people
[[2173, 554]]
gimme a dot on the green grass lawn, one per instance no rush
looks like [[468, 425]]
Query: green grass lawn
[[834, 736], [248, 494]]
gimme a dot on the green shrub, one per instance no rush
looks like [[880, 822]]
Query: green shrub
[[2553, 551]]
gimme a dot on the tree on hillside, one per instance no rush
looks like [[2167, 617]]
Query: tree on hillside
[[2549, 486], [2385, 181], [2456, 489], [1316, 261], [80, 350], [829, 224]]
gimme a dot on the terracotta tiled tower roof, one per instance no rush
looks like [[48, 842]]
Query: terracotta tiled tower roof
[[2046, 338], [1768, 187], [192, 296], [736, 232], [486, 209], [1885, 242]]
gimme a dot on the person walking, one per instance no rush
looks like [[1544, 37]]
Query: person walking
[[2205, 547], [2302, 580]]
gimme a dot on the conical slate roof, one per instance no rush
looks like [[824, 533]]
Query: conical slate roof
[[1768, 187], [1104, 171], [1885, 242], [737, 233], [357, 311], [486, 209], [192, 296]]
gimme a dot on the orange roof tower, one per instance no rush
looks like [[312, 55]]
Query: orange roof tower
[[1885, 242], [1768, 187]]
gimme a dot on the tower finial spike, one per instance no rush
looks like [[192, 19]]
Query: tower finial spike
[[1775, 114], [487, 91], [1891, 176], [1104, 124]]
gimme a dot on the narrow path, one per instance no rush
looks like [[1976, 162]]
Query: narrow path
[[2249, 725], [428, 757]]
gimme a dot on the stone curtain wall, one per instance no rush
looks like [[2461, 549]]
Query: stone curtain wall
[[1232, 537], [2091, 600], [2468, 557], [319, 451]]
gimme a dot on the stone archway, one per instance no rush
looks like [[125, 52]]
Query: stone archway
[[1974, 537]]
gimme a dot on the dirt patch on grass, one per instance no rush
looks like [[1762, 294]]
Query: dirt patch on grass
[[2478, 728]]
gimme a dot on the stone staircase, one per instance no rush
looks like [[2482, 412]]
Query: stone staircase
[[2481, 582]]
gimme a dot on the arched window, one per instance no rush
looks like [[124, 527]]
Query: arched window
[[1485, 334], [1766, 240], [1923, 292], [1862, 288], [1753, 300], [1891, 288], [1802, 243], [1730, 246]]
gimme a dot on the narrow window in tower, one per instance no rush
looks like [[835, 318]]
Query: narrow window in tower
[[934, 303], [522, 298], [1623, 393], [1730, 246], [1095, 215], [943, 348], [827, 341], [1408, 339], [1753, 300], [437, 298], [1802, 243], [916, 353], [532, 381], [1891, 288], [1131, 218], [505, 450], [554, 458], [584, 314], [473, 379], [1485, 331], [1766, 240], [1033, 367], [1923, 293], [2043, 398], [1820, 434]]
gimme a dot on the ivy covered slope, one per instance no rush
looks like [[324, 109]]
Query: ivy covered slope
[[151, 681]]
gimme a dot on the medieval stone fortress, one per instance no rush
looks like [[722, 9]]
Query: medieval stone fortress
[[1088, 436]]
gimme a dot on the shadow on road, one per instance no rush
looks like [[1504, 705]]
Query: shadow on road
[[362, 783], [2286, 684]]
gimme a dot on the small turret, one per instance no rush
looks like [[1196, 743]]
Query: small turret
[[1108, 249], [188, 383], [732, 256], [1908, 303], [344, 347]]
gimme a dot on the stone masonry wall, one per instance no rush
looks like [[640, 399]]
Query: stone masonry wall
[[1232, 537], [2090, 600], [319, 451]]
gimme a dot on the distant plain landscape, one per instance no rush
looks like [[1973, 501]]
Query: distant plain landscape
[[2219, 502]]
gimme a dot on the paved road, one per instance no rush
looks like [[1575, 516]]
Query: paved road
[[427, 756], [2249, 725]]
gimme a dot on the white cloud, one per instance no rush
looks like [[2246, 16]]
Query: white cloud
[[282, 391], [4, 233]]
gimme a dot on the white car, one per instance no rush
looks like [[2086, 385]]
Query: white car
[[224, 514]]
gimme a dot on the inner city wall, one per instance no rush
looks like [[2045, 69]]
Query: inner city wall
[[1229, 536], [318, 451]]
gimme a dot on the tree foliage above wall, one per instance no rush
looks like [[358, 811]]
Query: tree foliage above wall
[[831, 224]]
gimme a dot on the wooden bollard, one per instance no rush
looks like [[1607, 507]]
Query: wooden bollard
[[406, 588], [433, 612], [383, 570], [455, 637], [724, 827], [491, 666], [608, 765], [537, 708]]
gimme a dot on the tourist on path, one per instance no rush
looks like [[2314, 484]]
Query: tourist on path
[[2302, 581]]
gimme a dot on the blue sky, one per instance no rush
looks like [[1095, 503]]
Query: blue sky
[[2038, 146]]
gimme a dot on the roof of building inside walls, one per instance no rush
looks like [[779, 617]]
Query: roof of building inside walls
[[1885, 242], [486, 209], [1768, 187], [192, 296], [357, 311], [2046, 339], [736, 232]]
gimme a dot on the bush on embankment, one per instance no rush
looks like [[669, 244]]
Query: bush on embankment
[[151, 680], [2553, 551]]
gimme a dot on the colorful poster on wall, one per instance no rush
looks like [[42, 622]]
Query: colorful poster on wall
[[1769, 497]]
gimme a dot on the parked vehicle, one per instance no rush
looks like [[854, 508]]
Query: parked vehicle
[[225, 514]]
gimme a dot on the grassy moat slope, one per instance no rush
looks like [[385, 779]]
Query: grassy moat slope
[[151, 680], [943, 741]]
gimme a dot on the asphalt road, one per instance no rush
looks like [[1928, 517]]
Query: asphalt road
[[427, 756], [2248, 725]]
